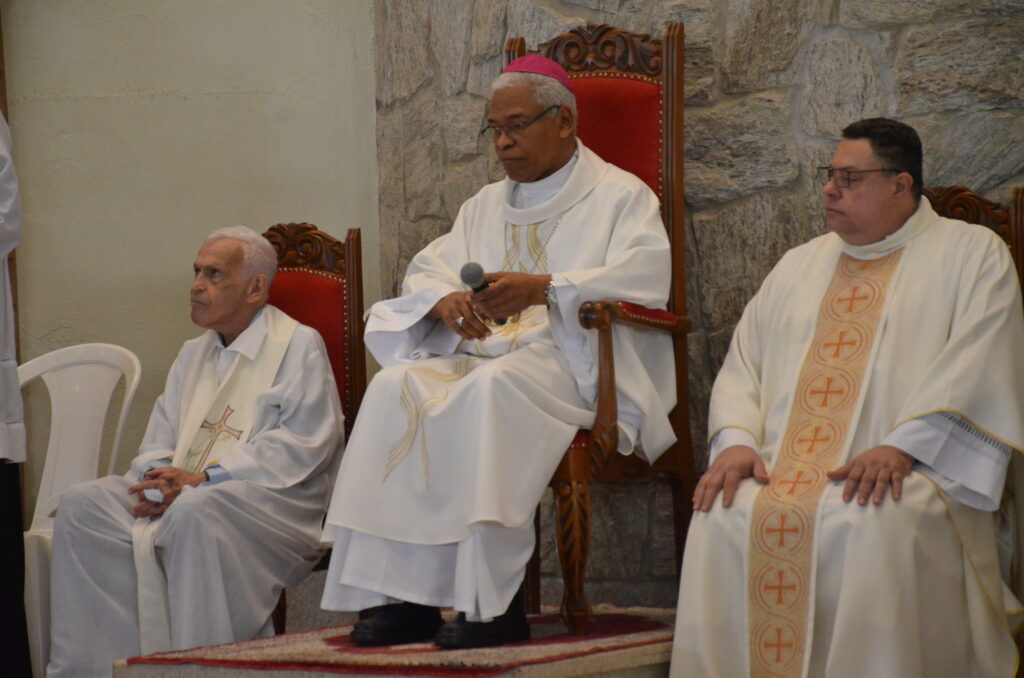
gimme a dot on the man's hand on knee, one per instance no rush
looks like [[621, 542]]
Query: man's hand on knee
[[871, 472], [732, 465], [170, 481]]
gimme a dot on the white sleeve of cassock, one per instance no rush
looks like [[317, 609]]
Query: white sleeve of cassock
[[397, 330], [968, 465], [728, 437], [299, 424]]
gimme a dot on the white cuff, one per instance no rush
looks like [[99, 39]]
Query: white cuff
[[727, 437], [966, 466]]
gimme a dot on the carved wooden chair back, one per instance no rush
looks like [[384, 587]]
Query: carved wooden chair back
[[319, 282], [957, 202], [629, 95]]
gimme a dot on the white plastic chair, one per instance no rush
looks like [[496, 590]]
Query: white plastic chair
[[81, 381]]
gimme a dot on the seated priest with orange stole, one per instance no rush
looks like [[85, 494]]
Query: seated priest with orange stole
[[861, 429], [482, 391], [223, 506]]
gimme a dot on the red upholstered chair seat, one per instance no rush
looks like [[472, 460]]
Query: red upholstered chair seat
[[317, 299]]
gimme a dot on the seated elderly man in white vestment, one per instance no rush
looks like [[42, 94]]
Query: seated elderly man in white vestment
[[223, 506], [873, 393], [461, 431]]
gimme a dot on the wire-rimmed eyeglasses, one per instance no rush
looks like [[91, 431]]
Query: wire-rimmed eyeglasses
[[843, 177], [515, 129]]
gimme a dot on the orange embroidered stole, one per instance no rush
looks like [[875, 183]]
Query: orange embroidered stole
[[780, 574]]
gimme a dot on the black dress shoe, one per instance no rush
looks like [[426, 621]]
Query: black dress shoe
[[509, 627], [396, 624]]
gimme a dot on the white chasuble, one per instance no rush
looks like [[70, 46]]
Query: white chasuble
[[426, 386], [215, 415], [907, 589]]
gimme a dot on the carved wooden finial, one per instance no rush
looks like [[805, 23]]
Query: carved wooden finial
[[303, 245], [594, 48], [958, 202]]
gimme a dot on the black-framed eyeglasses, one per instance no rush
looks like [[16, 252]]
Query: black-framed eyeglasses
[[843, 177], [516, 129]]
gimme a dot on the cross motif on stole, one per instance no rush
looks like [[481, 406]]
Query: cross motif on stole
[[778, 645], [216, 429], [782, 529], [827, 391], [813, 440], [854, 299], [820, 419], [839, 344]]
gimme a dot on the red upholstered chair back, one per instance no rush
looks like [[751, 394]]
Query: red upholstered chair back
[[317, 299], [958, 202], [620, 120], [319, 283], [629, 97]]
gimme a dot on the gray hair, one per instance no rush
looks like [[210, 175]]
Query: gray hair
[[546, 91], [258, 255]]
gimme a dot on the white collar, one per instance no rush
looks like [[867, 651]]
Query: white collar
[[584, 174], [249, 341], [533, 193], [917, 224]]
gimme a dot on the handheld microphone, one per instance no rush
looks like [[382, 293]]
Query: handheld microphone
[[472, 275]]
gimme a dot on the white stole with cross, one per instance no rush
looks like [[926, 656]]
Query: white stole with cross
[[215, 415]]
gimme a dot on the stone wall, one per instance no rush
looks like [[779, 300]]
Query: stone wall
[[769, 86]]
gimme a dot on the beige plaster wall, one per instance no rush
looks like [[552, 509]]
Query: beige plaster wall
[[141, 125]]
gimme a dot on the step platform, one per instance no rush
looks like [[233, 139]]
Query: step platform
[[620, 642]]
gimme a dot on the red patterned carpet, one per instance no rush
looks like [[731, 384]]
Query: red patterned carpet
[[329, 650]]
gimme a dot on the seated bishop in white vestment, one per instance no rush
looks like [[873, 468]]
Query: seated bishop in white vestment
[[460, 432], [223, 506], [861, 428]]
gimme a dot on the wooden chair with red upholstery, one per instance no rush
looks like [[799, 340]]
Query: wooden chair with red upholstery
[[957, 202], [319, 282], [629, 94]]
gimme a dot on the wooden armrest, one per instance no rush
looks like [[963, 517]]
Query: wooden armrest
[[600, 316], [631, 314]]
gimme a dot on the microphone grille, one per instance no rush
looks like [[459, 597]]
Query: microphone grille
[[472, 274]]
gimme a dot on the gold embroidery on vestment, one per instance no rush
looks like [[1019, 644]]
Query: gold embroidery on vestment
[[414, 414], [197, 456]]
